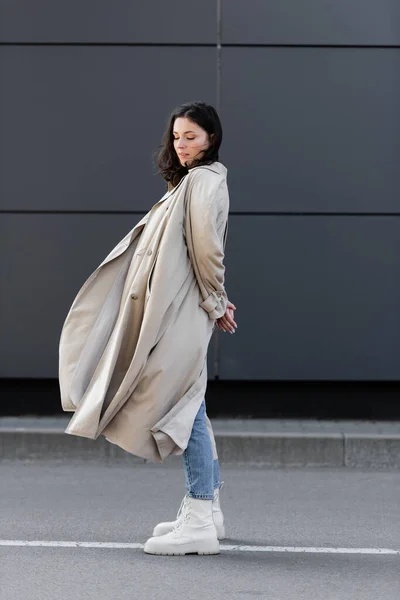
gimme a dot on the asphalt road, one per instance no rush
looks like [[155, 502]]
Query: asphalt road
[[307, 513]]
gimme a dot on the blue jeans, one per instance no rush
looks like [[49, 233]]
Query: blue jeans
[[202, 474]]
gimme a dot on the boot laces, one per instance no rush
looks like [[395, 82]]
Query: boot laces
[[181, 507], [184, 515]]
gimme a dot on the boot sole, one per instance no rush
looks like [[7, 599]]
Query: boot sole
[[208, 550], [220, 537], [182, 553]]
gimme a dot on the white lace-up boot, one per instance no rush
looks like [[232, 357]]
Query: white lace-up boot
[[163, 528], [195, 532]]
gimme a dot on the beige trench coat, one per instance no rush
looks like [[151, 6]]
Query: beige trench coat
[[133, 348]]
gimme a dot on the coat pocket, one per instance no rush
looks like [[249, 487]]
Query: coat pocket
[[150, 276]]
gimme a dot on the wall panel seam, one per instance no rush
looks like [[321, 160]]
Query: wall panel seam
[[339, 46], [135, 44], [218, 45], [217, 344], [231, 213]]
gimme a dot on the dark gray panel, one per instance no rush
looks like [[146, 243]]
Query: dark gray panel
[[79, 125], [317, 298], [350, 22], [44, 260], [152, 21], [312, 129]]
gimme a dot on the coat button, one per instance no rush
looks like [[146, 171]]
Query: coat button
[[134, 297], [149, 252]]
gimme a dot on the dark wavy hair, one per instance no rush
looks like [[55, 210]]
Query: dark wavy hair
[[204, 115]]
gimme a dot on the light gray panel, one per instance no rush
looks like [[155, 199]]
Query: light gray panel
[[44, 261], [79, 125], [350, 22], [152, 21], [317, 298], [311, 129]]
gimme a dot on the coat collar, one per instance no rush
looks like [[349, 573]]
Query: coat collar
[[215, 167]]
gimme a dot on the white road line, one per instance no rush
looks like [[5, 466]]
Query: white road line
[[53, 544], [310, 550], [224, 547]]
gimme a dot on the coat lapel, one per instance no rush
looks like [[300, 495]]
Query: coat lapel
[[128, 239]]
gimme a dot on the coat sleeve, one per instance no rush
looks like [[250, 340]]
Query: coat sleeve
[[205, 245]]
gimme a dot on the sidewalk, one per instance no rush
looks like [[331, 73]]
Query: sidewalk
[[263, 442]]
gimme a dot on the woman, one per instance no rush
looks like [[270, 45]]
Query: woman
[[133, 349]]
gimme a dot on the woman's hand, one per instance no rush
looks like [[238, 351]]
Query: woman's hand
[[227, 322]]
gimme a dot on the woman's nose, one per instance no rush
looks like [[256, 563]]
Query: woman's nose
[[181, 144]]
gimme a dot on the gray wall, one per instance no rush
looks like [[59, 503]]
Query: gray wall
[[309, 96]]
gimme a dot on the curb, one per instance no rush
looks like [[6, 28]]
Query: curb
[[271, 449]]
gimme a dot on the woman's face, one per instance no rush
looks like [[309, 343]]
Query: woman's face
[[190, 140]]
